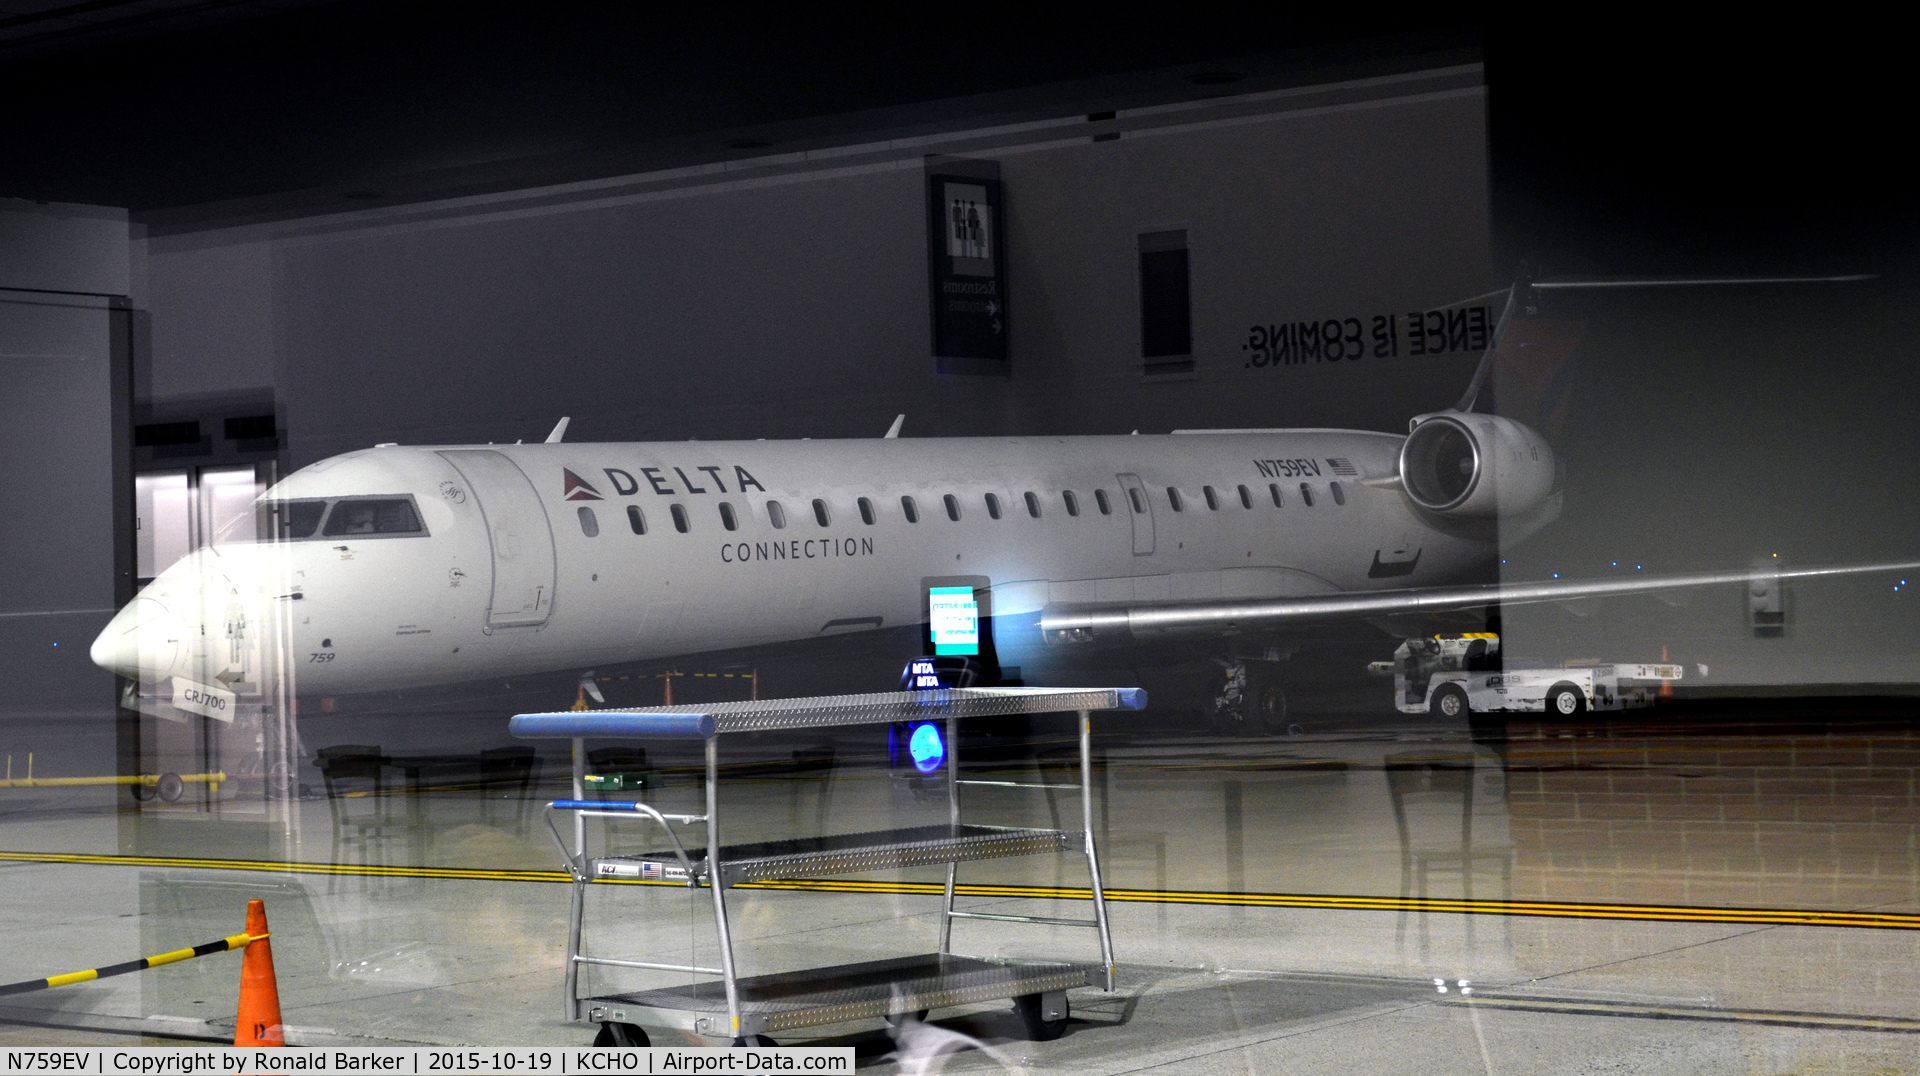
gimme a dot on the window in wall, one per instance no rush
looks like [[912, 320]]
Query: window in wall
[[1246, 497], [1213, 499], [911, 509], [1033, 505], [777, 515], [1173, 498], [635, 520], [953, 507], [1100, 501], [680, 518], [1339, 495], [1274, 488], [820, 515], [589, 525], [1072, 502], [993, 506], [1306, 495], [1166, 320], [727, 518], [866, 511]]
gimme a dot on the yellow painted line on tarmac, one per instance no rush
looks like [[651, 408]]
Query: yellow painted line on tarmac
[[1537, 908], [1768, 1017]]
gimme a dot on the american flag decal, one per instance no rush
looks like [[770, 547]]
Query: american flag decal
[[1342, 467]]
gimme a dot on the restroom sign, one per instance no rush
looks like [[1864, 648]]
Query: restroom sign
[[967, 267]]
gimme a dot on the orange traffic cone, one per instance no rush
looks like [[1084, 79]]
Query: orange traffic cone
[[258, 1022], [1666, 686]]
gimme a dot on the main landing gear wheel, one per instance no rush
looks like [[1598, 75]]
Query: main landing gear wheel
[[1565, 700], [755, 1040], [612, 1034], [171, 787], [1449, 701], [1034, 1017]]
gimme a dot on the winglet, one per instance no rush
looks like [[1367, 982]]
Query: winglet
[[893, 431], [559, 431]]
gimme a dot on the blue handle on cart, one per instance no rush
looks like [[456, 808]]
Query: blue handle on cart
[[594, 805], [612, 724]]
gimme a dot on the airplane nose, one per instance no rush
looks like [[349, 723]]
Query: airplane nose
[[142, 641]]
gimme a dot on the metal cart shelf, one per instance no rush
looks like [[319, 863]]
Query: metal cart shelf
[[742, 1009]]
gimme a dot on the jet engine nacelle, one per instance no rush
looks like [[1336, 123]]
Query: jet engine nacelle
[[1463, 464]]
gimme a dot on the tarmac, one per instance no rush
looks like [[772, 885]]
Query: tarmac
[[1645, 893]]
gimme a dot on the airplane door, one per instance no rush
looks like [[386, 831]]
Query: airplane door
[[1139, 509], [517, 529]]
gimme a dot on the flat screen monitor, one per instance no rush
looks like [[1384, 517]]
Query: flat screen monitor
[[953, 619]]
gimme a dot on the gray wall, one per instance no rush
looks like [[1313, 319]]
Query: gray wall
[[797, 306], [57, 437]]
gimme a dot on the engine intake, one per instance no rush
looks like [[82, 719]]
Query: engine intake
[[1463, 464]]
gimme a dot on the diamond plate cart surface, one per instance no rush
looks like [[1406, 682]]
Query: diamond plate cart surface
[[747, 1009]]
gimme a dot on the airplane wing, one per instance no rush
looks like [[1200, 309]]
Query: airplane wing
[[1146, 620]]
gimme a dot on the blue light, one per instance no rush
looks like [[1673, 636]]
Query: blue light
[[1616, 564], [926, 747]]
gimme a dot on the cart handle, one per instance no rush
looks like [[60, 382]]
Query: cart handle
[[577, 868]]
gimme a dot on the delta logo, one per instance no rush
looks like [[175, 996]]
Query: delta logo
[[578, 489]]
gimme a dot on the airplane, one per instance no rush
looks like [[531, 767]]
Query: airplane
[[403, 566]]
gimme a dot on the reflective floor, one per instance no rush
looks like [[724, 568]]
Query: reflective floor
[[1699, 888]]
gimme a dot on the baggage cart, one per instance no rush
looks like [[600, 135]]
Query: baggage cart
[[748, 1010]]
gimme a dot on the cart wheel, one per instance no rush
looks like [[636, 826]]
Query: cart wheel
[[171, 787], [141, 792], [1449, 701], [1565, 700], [902, 1019], [754, 1040], [1039, 1028], [613, 1034]]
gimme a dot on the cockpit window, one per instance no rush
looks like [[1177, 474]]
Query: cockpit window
[[373, 516], [283, 521]]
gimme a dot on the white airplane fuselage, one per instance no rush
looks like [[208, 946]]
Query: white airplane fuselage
[[526, 558]]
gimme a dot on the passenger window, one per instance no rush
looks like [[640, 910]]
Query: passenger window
[[1306, 495], [993, 505], [1072, 502], [1139, 500], [680, 519], [1246, 497], [1033, 505], [1173, 498], [866, 511], [1339, 495], [293, 520], [777, 515], [1213, 500], [953, 507], [1274, 488], [373, 517], [635, 520], [912, 510], [727, 518], [1100, 500], [820, 515], [589, 525]]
